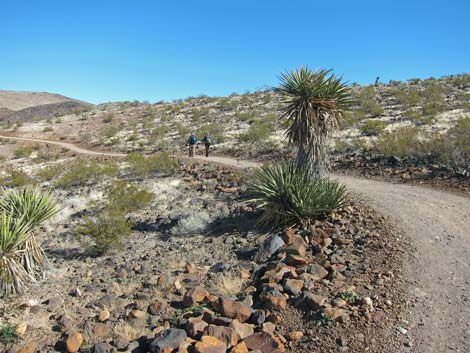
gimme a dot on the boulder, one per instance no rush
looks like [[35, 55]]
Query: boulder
[[264, 342], [268, 248], [234, 309], [223, 333], [74, 342], [195, 296], [210, 344], [167, 340], [241, 329]]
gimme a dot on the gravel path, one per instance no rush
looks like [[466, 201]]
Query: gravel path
[[437, 224]]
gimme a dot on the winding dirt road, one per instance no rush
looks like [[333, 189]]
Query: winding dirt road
[[437, 224]]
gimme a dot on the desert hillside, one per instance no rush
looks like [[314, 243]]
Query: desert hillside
[[17, 100]]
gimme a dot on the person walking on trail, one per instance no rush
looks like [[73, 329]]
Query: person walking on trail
[[207, 143], [192, 144]]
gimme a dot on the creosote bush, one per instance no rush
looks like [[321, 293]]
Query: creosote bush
[[81, 172], [127, 197], [373, 127], [288, 196], [161, 163]]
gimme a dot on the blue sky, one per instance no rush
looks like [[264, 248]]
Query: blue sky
[[111, 50]]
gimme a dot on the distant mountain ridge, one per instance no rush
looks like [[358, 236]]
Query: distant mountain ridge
[[28, 106]]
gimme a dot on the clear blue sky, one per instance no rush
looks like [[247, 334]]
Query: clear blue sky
[[151, 50]]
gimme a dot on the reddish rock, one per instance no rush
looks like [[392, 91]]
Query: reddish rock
[[196, 327], [210, 344], [294, 286], [74, 342], [223, 333], [101, 330], [234, 309], [296, 260], [28, 348], [240, 348], [189, 267], [298, 247], [265, 343], [104, 315], [242, 330], [195, 296], [274, 303], [294, 335], [269, 327], [156, 307], [137, 314]]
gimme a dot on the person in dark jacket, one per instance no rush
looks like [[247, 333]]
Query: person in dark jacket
[[207, 143], [192, 140]]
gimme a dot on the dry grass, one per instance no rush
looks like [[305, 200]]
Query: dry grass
[[229, 284]]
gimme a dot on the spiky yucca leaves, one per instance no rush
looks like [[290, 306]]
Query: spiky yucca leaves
[[315, 102], [14, 234], [288, 196], [22, 259]]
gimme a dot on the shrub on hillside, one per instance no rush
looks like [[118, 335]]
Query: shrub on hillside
[[373, 127], [127, 197], [15, 178], [214, 130], [23, 152], [161, 163], [260, 130], [402, 142], [287, 196], [81, 172]]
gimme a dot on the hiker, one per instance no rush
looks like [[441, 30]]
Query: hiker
[[207, 143], [192, 144]]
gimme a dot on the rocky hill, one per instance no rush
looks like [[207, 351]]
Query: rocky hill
[[28, 106]]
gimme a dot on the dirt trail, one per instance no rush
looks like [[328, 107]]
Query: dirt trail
[[438, 226]]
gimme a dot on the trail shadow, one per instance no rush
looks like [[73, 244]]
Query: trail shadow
[[241, 222]]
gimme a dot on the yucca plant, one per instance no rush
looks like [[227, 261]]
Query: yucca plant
[[315, 102], [21, 258], [288, 196]]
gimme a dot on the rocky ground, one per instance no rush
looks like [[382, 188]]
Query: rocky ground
[[197, 277]]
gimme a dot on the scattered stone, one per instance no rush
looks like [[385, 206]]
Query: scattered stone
[[220, 267], [240, 348], [293, 286], [189, 267], [296, 260], [104, 315], [121, 343], [156, 307], [195, 296], [138, 314], [223, 333], [28, 348], [272, 244], [264, 342], [294, 335], [210, 344], [195, 327], [269, 327], [234, 309], [21, 328], [74, 342], [101, 329], [242, 330], [167, 340], [313, 301], [102, 347], [274, 302]]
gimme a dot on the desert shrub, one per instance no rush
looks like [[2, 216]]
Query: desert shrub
[[341, 146], [16, 178], [2, 158], [406, 97], [109, 131], [81, 172], [23, 261], [125, 196], [248, 116], [214, 130], [182, 130], [105, 231], [288, 196], [373, 127], [50, 172], [259, 131], [199, 113], [8, 334], [161, 163], [108, 118], [368, 106], [457, 142], [23, 152], [227, 104], [401, 142]]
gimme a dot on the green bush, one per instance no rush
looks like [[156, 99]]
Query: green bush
[[50, 172], [125, 196], [82, 172], [105, 232], [287, 196], [373, 127], [23, 152], [108, 118], [109, 131], [457, 145], [214, 130], [161, 163], [402, 142], [259, 131], [16, 178], [8, 334]]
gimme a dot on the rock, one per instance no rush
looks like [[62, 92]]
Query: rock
[[189, 267], [291, 236], [156, 307], [121, 343], [293, 286], [274, 302], [167, 340], [210, 344], [102, 347], [195, 327], [223, 333], [101, 329], [313, 301], [28, 348], [220, 267], [258, 317], [277, 272], [296, 260], [294, 335], [242, 330], [269, 327], [195, 296], [53, 302], [335, 313], [104, 315], [316, 271], [264, 342], [272, 244], [65, 323], [234, 309], [240, 348], [296, 248], [74, 342], [138, 314]]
